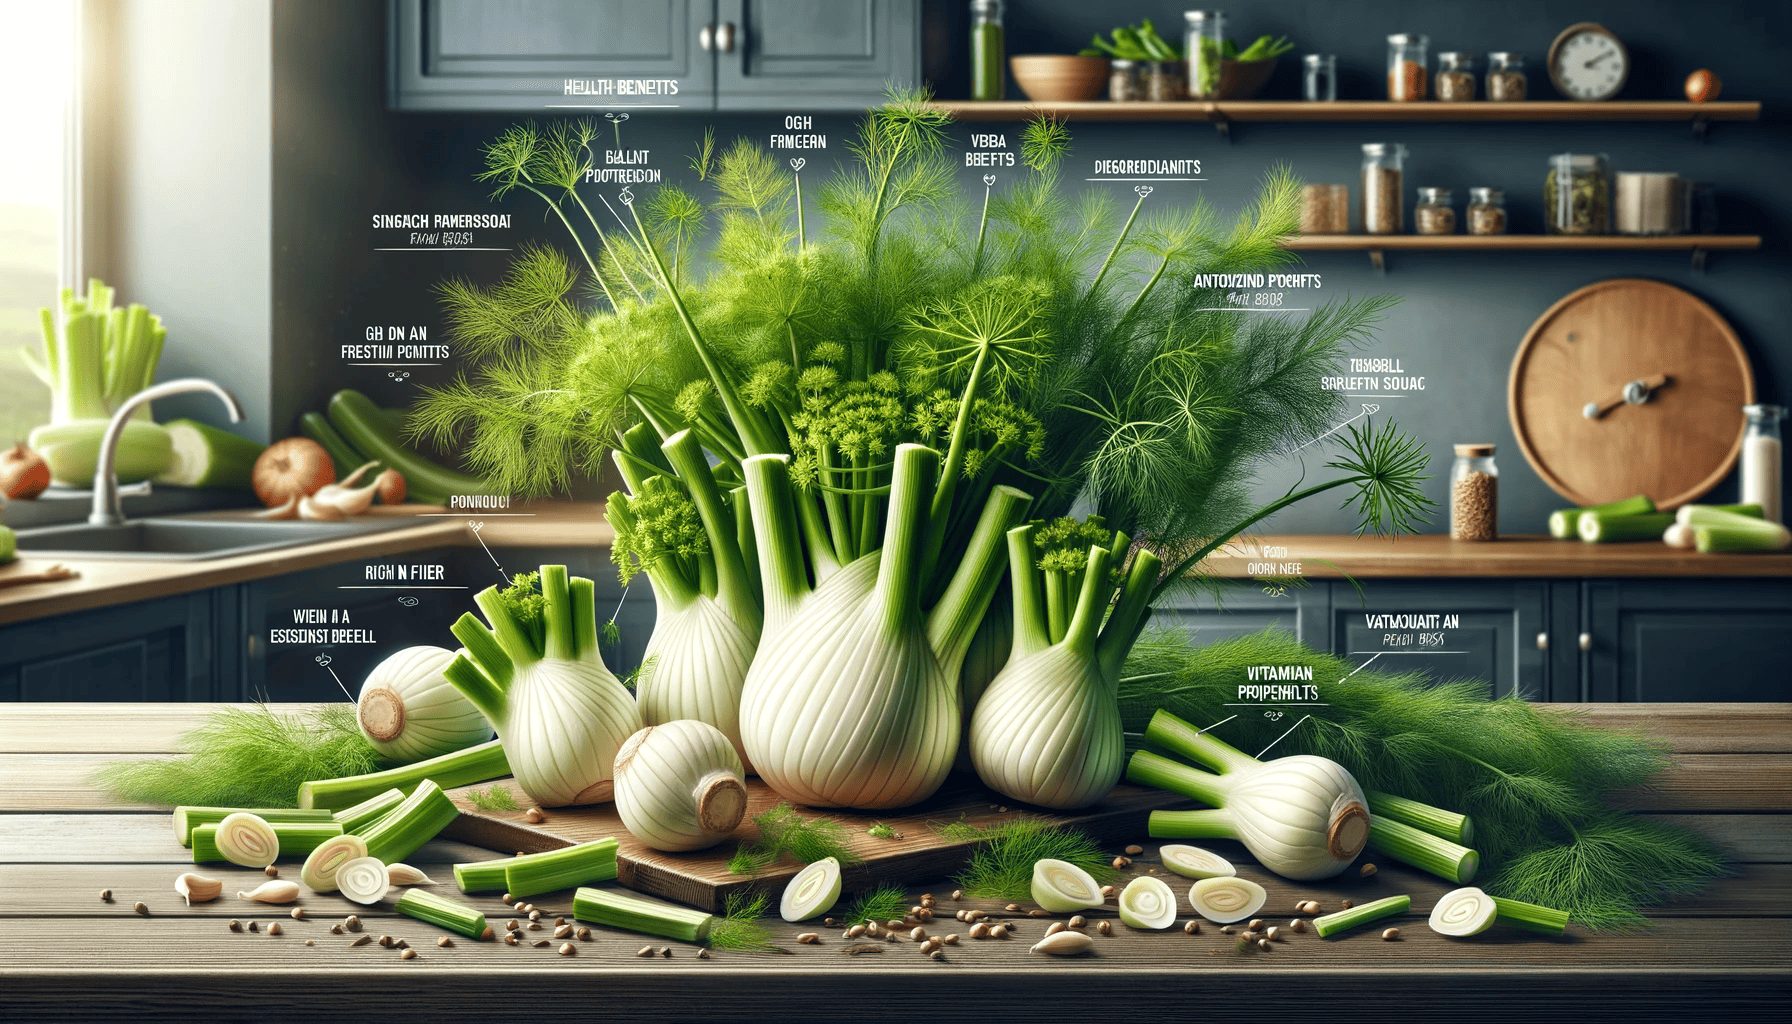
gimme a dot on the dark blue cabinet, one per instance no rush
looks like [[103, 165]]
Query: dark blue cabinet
[[156, 650], [570, 55], [1687, 640], [1486, 630]]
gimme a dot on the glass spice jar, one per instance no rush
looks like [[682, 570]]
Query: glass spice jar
[[1577, 196], [1406, 67], [1164, 81], [1486, 211], [1505, 77], [1383, 204], [1474, 494], [1319, 83], [1455, 81], [1761, 459], [1325, 209], [1204, 38], [1126, 80], [988, 78], [1435, 213]]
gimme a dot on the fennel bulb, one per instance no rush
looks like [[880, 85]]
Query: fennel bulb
[[852, 700], [679, 786], [1047, 731], [409, 712], [1304, 817], [537, 676]]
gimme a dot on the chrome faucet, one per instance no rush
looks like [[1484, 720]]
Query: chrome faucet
[[108, 510]]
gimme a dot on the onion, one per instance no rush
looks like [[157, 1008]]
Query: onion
[[363, 879], [813, 891], [1062, 888], [1148, 902], [1194, 862], [1225, 900], [291, 468], [23, 473], [390, 487]]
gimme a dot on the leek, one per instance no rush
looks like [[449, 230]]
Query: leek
[[1565, 524], [442, 912], [461, 768], [295, 838], [420, 818], [1423, 850], [368, 811], [1718, 529], [1331, 924], [1599, 528], [597, 857], [186, 819], [1457, 828]]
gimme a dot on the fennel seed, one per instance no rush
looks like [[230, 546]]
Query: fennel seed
[[938, 954], [1039, 913], [510, 939], [105, 895], [534, 915], [563, 931], [1122, 862], [1012, 908], [409, 954], [703, 954], [1271, 933], [352, 923], [666, 951], [1000, 931], [274, 929], [558, 921], [924, 914], [1056, 927], [1297, 925], [1263, 944], [519, 906], [568, 949], [1227, 930], [235, 925], [1134, 851], [529, 908], [810, 939], [362, 941], [918, 934], [542, 943], [644, 951], [1256, 924], [1107, 891], [830, 922], [386, 941], [1391, 935], [254, 927], [506, 898], [957, 894], [486, 934], [1346, 904], [1078, 921], [271, 871], [513, 924], [335, 929], [855, 931], [535, 926], [1105, 927], [895, 925], [583, 934], [950, 940], [310, 942], [141, 909], [1367, 870], [444, 942], [533, 816], [298, 913], [1193, 927], [979, 931]]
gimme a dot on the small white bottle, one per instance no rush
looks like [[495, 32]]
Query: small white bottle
[[1761, 459]]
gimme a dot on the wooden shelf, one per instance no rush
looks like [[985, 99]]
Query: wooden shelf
[[1224, 111], [1519, 243]]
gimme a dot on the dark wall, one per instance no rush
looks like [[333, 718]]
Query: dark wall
[[341, 156]]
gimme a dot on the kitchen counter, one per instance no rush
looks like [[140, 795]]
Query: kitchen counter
[[71, 956], [1526, 556]]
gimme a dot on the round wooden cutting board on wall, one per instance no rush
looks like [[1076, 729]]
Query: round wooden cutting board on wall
[[1676, 444]]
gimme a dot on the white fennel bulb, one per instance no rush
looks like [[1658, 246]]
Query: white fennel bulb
[[679, 786], [1304, 817], [685, 534], [537, 676], [409, 711], [852, 699], [1047, 731]]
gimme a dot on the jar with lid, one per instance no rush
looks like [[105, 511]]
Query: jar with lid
[[1126, 80], [1474, 494], [1435, 213], [1319, 84], [1577, 196], [1204, 39], [1505, 76], [1455, 81], [1761, 459], [1406, 66], [988, 67], [1486, 211], [1384, 202], [1164, 81]]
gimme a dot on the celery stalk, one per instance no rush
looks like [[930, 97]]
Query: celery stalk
[[1716, 528], [422, 815], [1332, 924], [1565, 524], [1435, 854], [1457, 828], [186, 819], [561, 869], [297, 838], [618, 911], [360, 816], [442, 912], [1599, 528], [463, 767]]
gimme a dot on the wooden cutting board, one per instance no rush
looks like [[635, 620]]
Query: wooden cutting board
[[702, 878], [24, 572], [1674, 447]]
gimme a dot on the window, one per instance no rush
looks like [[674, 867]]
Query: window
[[37, 79]]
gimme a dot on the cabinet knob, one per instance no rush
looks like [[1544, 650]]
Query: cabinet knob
[[1586, 641], [725, 37], [706, 38], [1543, 641]]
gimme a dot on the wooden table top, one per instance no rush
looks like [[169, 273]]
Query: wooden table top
[[65, 954]]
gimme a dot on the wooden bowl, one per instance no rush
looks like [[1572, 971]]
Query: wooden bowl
[[1242, 81], [1059, 78]]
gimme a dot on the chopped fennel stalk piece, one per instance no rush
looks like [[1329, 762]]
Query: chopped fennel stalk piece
[[443, 912], [1148, 902], [186, 819], [368, 811], [1063, 888], [812, 892], [289, 839], [1719, 528], [420, 818], [321, 866], [1332, 924], [629, 914], [1224, 899], [461, 768], [1435, 854], [363, 880], [1194, 862], [559, 869], [1469, 911], [1457, 828], [1565, 524]]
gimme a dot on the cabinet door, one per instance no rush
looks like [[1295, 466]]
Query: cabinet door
[[1244, 606], [560, 55], [804, 55], [1688, 640], [1494, 640], [156, 650]]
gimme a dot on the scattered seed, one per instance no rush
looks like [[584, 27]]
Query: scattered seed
[[703, 954], [1122, 862], [1000, 931], [105, 895], [558, 921], [141, 909], [542, 943], [1134, 851], [957, 894], [254, 927], [529, 908], [979, 931], [933, 942], [1346, 904], [1256, 924], [519, 906], [362, 941], [1039, 913], [1003, 810], [485, 935], [1297, 925], [1264, 944], [918, 934], [533, 815], [810, 939], [444, 942], [386, 941], [235, 925], [1078, 921], [855, 931], [409, 954], [352, 923], [534, 915], [513, 924], [1271, 934], [563, 931], [1012, 908], [950, 940], [1227, 930], [871, 928], [335, 929], [924, 915], [298, 913], [568, 949], [830, 922], [1104, 926], [507, 898], [1367, 870], [271, 871], [510, 939], [1193, 927], [1391, 935], [666, 952], [1106, 891], [895, 925], [535, 926], [938, 954], [1056, 927], [1250, 936], [644, 951], [274, 929], [310, 942]]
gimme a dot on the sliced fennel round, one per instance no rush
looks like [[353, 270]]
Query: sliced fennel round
[[1194, 862], [363, 879], [1063, 888], [1464, 912], [1227, 899], [248, 839], [1148, 902], [813, 891], [321, 866]]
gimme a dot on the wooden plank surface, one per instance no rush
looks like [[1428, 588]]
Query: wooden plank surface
[[1354, 110]]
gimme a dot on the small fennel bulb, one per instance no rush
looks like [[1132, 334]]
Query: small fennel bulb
[[1047, 731], [1303, 817], [537, 676], [679, 786], [410, 712]]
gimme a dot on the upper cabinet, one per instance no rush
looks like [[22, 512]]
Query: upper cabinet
[[569, 55]]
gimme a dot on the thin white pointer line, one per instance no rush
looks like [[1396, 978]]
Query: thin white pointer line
[[1282, 737], [1214, 726], [1364, 665]]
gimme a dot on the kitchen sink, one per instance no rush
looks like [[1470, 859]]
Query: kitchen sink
[[191, 540]]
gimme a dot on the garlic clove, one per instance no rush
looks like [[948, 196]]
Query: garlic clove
[[312, 509], [404, 874], [273, 892], [1065, 943], [198, 888]]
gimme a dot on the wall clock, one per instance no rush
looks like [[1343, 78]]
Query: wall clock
[[1587, 62]]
